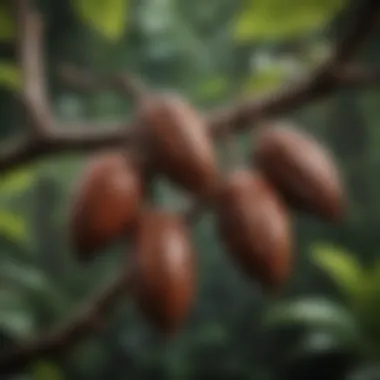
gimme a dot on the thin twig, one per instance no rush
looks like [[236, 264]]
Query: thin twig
[[58, 340], [86, 81]]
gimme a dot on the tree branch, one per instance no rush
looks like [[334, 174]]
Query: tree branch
[[363, 18], [54, 342], [25, 150], [321, 83], [30, 50], [329, 77], [291, 96], [356, 76]]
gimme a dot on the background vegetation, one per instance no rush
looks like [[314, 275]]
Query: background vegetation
[[327, 323]]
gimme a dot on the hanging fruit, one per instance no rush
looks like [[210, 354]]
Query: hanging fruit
[[107, 203], [255, 227], [179, 144], [302, 170], [164, 270]]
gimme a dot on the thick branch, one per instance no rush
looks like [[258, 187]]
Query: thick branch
[[322, 83], [289, 97], [26, 150], [356, 76], [325, 80]]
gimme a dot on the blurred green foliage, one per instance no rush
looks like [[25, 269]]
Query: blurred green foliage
[[7, 24], [46, 371], [276, 19], [107, 17], [360, 285], [326, 325], [343, 267], [9, 76]]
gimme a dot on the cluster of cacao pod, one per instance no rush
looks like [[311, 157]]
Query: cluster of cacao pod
[[252, 205]]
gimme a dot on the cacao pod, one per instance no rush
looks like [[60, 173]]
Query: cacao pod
[[255, 227], [107, 203], [179, 144], [164, 270], [302, 170]]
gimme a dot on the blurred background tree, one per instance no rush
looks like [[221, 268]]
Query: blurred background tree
[[326, 325]]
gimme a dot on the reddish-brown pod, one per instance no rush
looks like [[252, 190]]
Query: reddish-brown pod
[[107, 203], [164, 270], [255, 227], [302, 170], [179, 143]]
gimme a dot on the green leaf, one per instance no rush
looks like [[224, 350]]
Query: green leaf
[[10, 299], [342, 266], [369, 307], [312, 349], [13, 227], [375, 270], [47, 371], [18, 322], [278, 19], [34, 282], [106, 16], [7, 24], [372, 284], [16, 181], [212, 333], [9, 75], [213, 87], [16, 313], [28, 277], [265, 81], [316, 312]]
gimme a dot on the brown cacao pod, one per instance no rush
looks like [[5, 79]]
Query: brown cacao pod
[[255, 227], [179, 143], [107, 203], [302, 170], [164, 270]]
